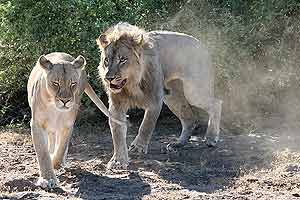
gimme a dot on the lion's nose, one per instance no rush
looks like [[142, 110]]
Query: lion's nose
[[65, 101], [110, 78]]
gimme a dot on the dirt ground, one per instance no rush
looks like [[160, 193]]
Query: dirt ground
[[260, 165]]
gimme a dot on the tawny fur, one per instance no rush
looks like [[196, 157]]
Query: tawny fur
[[54, 89], [156, 61]]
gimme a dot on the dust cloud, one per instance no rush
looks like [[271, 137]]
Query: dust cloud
[[258, 90]]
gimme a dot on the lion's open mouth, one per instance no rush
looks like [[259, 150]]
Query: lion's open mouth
[[118, 86]]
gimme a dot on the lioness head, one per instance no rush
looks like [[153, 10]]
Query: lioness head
[[121, 56], [62, 80]]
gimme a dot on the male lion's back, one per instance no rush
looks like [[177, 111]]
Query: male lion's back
[[182, 55]]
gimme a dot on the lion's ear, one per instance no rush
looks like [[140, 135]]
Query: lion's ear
[[79, 62], [139, 40], [45, 63], [102, 41]]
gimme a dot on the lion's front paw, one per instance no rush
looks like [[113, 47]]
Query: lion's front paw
[[137, 147], [117, 164], [174, 146], [47, 183], [211, 140]]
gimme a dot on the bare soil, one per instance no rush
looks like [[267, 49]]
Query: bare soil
[[260, 165]]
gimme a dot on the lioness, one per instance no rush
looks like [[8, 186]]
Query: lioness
[[144, 69], [54, 89]]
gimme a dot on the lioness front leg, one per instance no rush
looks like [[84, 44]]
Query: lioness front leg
[[141, 141], [47, 175], [61, 147], [119, 159]]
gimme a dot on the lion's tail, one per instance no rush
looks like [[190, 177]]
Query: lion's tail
[[93, 96]]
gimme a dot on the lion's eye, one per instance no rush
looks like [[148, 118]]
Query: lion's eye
[[55, 83], [123, 60], [105, 62], [73, 84]]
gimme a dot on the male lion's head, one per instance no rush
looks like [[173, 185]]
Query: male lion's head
[[121, 56], [62, 80]]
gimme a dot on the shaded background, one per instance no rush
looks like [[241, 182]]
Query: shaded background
[[255, 47]]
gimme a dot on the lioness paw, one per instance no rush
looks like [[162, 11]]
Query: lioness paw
[[211, 141], [47, 183], [117, 164], [135, 147]]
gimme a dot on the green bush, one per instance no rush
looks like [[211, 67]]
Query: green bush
[[29, 28], [255, 47]]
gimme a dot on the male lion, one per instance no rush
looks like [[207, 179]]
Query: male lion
[[54, 89], [138, 67]]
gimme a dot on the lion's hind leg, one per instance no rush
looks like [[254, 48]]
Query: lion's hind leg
[[179, 105], [213, 128], [199, 94]]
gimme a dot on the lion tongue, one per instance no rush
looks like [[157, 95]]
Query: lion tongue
[[123, 83], [119, 86]]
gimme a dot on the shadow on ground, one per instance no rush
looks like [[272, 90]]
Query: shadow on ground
[[192, 172], [78, 182], [100, 186], [198, 167]]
